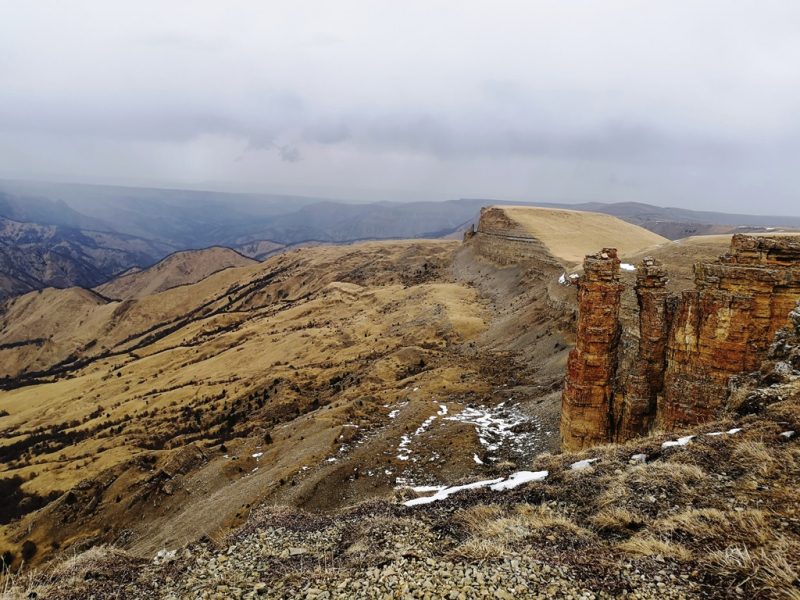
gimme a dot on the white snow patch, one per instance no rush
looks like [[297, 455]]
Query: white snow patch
[[679, 442], [642, 458], [394, 413], [258, 454], [442, 494], [732, 431], [332, 459], [627, 267], [787, 434], [254, 470], [583, 464], [563, 279], [574, 276], [495, 428], [518, 479], [442, 410], [422, 489], [477, 459], [498, 485], [415, 389]]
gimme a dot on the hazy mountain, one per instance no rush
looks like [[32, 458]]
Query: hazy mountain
[[34, 256], [77, 234]]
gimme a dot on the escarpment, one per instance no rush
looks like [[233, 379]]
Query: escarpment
[[689, 345]]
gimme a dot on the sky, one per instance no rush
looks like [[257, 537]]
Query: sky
[[677, 103]]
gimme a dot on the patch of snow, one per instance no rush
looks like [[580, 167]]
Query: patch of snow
[[258, 454], [503, 427], [449, 491], [226, 456], [518, 478], [583, 464], [477, 459], [627, 267], [421, 489], [732, 431], [574, 276], [787, 434], [415, 389], [642, 458], [679, 442], [563, 279], [332, 459], [254, 470], [442, 410], [498, 485], [716, 433], [394, 413]]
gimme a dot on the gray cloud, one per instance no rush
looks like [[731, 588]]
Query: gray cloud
[[694, 102]]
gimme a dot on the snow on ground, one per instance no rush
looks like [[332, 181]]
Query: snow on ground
[[641, 458], [518, 479], [729, 432], [583, 464], [442, 494], [627, 267], [787, 434], [503, 428], [406, 439], [679, 442], [498, 485]]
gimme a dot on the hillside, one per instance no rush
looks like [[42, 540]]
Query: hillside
[[34, 256], [181, 268], [344, 381], [569, 235]]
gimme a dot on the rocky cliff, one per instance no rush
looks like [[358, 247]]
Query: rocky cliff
[[689, 347]]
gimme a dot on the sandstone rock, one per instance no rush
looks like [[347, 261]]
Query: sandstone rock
[[690, 347], [586, 401]]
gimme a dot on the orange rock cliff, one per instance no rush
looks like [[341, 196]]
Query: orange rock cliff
[[689, 346]]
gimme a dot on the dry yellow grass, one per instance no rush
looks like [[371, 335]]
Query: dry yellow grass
[[181, 268], [572, 234]]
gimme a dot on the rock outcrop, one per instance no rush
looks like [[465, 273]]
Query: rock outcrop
[[592, 363], [689, 346]]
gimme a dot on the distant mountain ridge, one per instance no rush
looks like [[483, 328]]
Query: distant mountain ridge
[[47, 237]]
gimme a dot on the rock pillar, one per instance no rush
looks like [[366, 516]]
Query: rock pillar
[[587, 399], [634, 415]]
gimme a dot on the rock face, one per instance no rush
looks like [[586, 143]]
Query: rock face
[[585, 412], [505, 242], [690, 346]]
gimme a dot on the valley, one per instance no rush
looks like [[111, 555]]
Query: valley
[[174, 405]]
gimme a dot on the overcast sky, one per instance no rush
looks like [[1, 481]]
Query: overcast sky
[[680, 103]]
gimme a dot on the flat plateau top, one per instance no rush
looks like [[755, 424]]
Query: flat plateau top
[[570, 234]]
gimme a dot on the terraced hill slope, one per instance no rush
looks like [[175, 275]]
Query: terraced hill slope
[[181, 268]]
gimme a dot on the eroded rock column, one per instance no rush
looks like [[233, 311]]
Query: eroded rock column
[[588, 391], [636, 412]]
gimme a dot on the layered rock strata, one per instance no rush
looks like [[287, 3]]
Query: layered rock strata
[[689, 346], [635, 413], [505, 242], [586, 403]]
